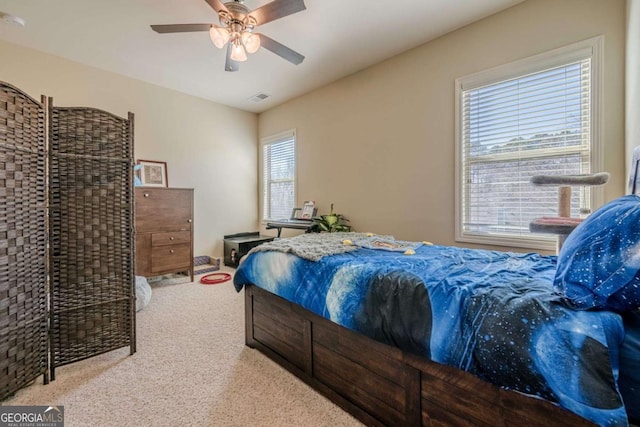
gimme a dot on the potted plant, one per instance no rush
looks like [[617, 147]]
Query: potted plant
[[329, 223]]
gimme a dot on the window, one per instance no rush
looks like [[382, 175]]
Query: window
[[533, 117], [278, 176]]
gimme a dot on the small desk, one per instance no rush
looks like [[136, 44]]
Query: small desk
[[296, 224]]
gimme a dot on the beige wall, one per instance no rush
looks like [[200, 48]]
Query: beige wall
[[380, 143], [632, 91], [207, 146]]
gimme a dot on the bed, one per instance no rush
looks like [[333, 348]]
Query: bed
[[409, 333]]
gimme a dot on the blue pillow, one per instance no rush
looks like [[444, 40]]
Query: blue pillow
[[599, 263]]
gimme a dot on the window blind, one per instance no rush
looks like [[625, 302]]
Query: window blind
[[278, 177], [534, 124]]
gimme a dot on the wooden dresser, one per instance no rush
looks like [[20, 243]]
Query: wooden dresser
[[164, 230]]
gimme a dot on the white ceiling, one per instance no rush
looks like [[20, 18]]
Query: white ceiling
[[337, 37]]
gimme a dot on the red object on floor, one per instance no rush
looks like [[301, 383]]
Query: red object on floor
[[215, 278]]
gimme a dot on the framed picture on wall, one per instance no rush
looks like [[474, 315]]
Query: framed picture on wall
[[153, 173]]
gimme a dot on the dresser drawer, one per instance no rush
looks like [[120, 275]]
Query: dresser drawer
[[163, 209], [170, 238], [171, 256]]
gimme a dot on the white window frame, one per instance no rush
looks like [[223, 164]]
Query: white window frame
[[282, 136], [591, 48]]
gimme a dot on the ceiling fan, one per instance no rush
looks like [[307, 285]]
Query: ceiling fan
[[237, 26]]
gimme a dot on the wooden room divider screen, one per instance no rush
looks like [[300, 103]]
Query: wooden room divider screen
[[74, 248], [23, 242], [91, 258]]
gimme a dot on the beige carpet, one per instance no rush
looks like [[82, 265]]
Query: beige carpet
[[191, 369]]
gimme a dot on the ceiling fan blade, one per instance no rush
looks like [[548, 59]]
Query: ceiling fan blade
[[280, 49], [217, 5], [230, 64], [276, 9], [180, 28]]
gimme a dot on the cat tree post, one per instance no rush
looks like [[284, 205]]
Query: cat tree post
[[564, 201], [563, 224], [564, 211]]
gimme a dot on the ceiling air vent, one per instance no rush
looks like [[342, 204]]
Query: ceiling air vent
[[259, 97]]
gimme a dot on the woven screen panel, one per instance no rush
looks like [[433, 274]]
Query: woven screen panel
[[88, 131], [23, 310], [91, 233]]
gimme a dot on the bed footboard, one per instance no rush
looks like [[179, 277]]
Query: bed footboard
[[379, 384]]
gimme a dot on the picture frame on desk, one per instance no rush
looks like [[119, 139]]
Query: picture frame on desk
[[308, 210], [153, 173]]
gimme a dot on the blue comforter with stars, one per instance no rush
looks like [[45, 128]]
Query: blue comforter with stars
[[493, 314]]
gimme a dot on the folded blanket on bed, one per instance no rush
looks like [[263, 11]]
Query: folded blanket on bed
[[314, 246]]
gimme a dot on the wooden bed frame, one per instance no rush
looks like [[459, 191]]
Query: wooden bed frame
[[379, 384]]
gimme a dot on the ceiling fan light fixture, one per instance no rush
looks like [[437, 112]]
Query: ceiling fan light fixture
[[251, 42], [235, 27], [238, 53], [219, 36]]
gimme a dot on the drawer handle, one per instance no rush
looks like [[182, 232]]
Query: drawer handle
[[171, 251], [146, 194], [172, 238], [188, 220]]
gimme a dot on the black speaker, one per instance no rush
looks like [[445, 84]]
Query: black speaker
[[237, 245]]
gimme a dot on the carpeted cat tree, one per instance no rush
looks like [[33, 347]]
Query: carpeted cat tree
[[564, 223]]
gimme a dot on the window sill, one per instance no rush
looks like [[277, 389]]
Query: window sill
[[540, 243]]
